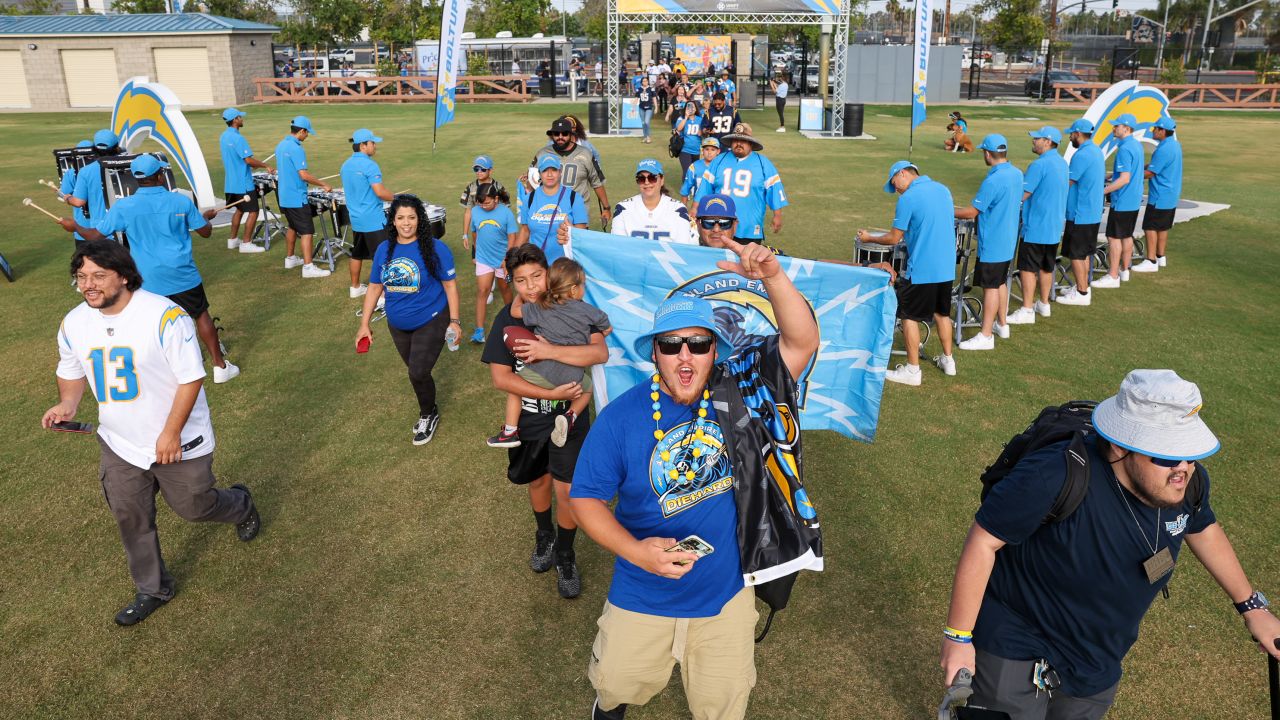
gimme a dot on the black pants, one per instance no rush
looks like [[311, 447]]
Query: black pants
[[685, 161], [420, 349], [781, 104]]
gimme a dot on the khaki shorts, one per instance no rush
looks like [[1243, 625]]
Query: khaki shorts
[[633, 654]]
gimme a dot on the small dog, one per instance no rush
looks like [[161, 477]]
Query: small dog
[[959, 141]]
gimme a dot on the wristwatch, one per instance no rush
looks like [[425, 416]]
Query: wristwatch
[[1256, 601]]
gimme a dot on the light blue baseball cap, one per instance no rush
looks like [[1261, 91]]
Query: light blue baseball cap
[[302, 122], [1081, 126], [231, 114], [548, 161], [717, 206], [104, 138], [84, 144], [894, 170], [364, 135], [994, 142], [1127, 119], [677, 313], [146, 166], [483, 161], [649, 165], [1051, 133], [1165, 123]]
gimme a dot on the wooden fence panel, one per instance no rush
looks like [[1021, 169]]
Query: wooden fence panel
[[1260, 97], [397, 89]]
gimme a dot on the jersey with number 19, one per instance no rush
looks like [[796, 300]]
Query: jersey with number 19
[[753, 183], [134, 363]]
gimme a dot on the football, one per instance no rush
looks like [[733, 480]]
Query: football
[[512, 333]]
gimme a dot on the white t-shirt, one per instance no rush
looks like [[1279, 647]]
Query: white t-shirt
[[781, 91], [134, 363], [669, 221]]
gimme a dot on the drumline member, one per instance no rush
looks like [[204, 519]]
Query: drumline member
[[495, 229], [88, 194], [544, 208], [652, 213], [238, 164], [482, 166], [1044, 207], [68, 185], [693, 175], [750, 177], [1125, 189], [291, 159], [1164, 189], [365, 193], [1086, 176], [996, 208]]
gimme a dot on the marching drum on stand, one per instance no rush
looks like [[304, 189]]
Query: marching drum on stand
[[330, 208], [869, 253], [271, 225], [966, 309]]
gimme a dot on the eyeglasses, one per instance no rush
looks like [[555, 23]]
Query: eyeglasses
[[646, 178], [716, 223], [1166, 462], [477, 168], [671, 344], [561, 134]]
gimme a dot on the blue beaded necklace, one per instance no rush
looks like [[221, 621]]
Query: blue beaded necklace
[[697, 438]]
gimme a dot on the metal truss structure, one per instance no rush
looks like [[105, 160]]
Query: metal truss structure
[[839, 39]]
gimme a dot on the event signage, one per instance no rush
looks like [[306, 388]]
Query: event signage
[[672, 7], [1147, 104], [920, 63], [455, 14], [145, 110]]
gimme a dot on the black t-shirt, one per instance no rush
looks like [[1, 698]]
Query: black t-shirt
[[646, 98]]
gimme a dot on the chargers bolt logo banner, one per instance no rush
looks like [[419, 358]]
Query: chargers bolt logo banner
[[1147, 104], [150, 110]]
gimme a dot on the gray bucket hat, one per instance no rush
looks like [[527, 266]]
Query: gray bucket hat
[[1156, 413]]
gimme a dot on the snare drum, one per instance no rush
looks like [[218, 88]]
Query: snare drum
[[871, 253], [265, 182], [966, 232], [435, 221]]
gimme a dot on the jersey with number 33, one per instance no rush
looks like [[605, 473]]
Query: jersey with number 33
[[134, 363], [752, 182]]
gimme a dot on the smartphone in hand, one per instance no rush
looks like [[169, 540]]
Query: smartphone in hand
[[72, 426], [692, 544]]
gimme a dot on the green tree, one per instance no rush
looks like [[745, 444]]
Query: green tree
[[255, 10], [1174, 72], [521, 17], [138, 6], [1018, 24], [593, 17], [331, 21], [403, 22]]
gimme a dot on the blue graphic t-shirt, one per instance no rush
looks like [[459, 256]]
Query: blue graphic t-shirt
[[999, 203], [490, 229], [548, 212], [1044, 213], [1165, 187], [239, 176], [925, 215], [621, 458], [414, 297], [1087, 172], [1128, 159]]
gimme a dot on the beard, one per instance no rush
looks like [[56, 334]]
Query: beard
[[105, 300]]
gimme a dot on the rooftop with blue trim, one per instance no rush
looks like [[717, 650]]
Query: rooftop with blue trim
[[143, 24]]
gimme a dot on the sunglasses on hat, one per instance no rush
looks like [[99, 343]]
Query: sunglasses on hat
[[671, 344], [716, 223], [646, 178]]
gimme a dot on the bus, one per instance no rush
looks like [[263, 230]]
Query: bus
[[504, 55]]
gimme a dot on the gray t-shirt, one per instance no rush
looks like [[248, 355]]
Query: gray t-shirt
[[570, 323]]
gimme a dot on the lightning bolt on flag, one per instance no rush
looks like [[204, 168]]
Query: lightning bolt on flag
[[1146, 103], [920, 66], [628, 278], [455, 14], [145, 110]]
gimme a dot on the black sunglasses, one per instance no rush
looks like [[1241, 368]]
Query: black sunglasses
[[477, 168], [561, 134], [671, 344], [1166, 462], [716, 223], [645, 178]]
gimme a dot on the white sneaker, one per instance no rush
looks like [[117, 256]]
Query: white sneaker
[[1073, 297], [358, 291], [977, 342], [781, 129], [382, 302], [311, 271], [905, 374], [1146, 266], [1160, 261], [233, 243], [1106, 282], [249, 248], [1043, 309], [1002, 331], [946, 363], [1124, 276], [1022, 316], [292, 262], [223, 374]]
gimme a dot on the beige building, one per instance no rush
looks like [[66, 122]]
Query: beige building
[[60, 62]]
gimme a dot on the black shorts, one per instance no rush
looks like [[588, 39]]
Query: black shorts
[[923, 301], [248, 206], [300, 219], [1120, 223], [363, 244], [1079, 241], [1036, 257], [991, 275], [194, 301], [1158, 220], [536, 456]]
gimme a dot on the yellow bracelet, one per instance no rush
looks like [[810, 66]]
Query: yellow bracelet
[[958, 633]]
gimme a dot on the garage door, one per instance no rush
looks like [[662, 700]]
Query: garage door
[[91, 77], [185, 71], [13, 91]]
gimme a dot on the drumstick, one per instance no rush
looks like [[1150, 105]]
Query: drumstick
[[243, 199], [328, 177], [268, 158], [28, 202]]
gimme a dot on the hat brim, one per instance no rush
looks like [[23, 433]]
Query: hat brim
[[1192, 442], [747, 138]]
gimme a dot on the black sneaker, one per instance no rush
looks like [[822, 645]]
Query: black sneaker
[[568, 582], [505, 439], [248, 529], [541, 560], [425, 428], [138, 610], [617, 713]]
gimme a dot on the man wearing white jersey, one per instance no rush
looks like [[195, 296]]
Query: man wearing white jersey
[[137, 352]]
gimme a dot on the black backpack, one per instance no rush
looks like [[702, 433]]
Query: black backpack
[[1071, 423], [675, 144]]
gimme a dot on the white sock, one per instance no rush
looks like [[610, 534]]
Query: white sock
[[509, 428]]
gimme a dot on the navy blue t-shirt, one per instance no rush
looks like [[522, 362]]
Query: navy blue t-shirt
[[1073, 592]]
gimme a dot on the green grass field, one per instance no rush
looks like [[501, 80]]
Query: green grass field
[[390, 581]]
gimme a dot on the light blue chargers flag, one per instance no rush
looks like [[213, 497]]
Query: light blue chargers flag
[[920, 68], [628, 278], [455, 14]]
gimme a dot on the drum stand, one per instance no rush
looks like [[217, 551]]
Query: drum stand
[[270, 224], [331, 237], [967, 310]]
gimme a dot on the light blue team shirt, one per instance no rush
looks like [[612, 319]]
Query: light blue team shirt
[[359, 174], [1045, 212], [693, 177], [1165, 187], [998, 202], [1129, 158], [68, 187], [290, 158], [1087, 174], [729, 88], [158, 222], [89, 188], [692, 133], [543, 212], [490, 228], [239, 176], [926, 216], [753, 183]]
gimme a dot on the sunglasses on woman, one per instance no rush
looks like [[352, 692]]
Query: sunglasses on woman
[[671, 344], [646, 178], [716, 223]]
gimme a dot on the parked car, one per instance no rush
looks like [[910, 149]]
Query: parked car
[[320, 66], [1031, 86], [811, 80]]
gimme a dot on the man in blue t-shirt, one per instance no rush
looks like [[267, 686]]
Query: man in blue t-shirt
[[1164, 189], [923, 220], [291, 160], [1055, 605], [1086, 176], [676, 483], [996, 209], [238, 165], [88, 195], [365, 193], [159, 223], [1044, 209], [544, 209], [1125, 189], [751, 180]]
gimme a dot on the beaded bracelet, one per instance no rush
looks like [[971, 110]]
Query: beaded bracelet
[[959, 636]]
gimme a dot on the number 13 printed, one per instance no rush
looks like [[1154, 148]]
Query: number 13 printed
[[124, 380]]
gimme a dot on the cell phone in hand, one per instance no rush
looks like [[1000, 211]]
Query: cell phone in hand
[[692, 544], [72, 426], [363, 345]]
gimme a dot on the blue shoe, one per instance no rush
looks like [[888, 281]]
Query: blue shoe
[[477, 337]]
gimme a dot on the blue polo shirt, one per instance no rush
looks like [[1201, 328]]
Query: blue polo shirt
[[998, 202], [89, 188], [159, 224], [1084, 197], [290, 158], [1129, 158], [68, 187], [1045, 212], [1165, 187], [359, 174], [238, 178], [926, 215]]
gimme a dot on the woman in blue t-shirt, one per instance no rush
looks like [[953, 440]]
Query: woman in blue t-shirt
[[494, 228], [690, 127], [416, 271], [645, 94]]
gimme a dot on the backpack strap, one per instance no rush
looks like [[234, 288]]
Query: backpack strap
[[1076, 484], [1195, 488]]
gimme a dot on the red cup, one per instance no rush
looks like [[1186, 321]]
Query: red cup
[[363, 345]]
